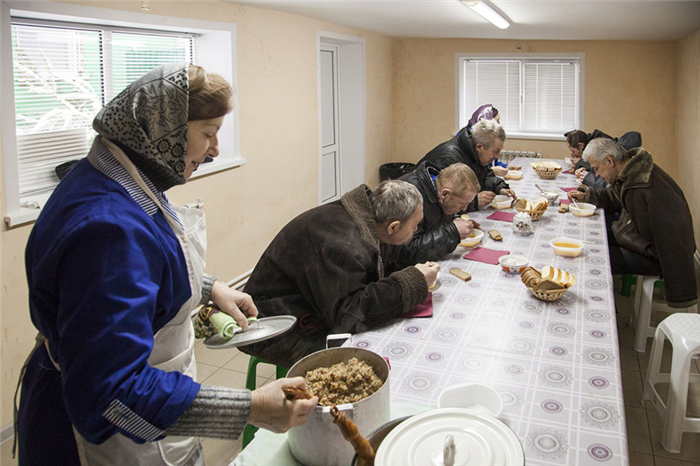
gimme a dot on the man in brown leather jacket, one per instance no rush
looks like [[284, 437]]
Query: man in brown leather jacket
[[654, 235], [331, 268]]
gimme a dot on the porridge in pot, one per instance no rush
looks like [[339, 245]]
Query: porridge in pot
[[343, 382]]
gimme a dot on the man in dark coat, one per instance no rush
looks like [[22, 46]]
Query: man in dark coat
[[577, 140], [445, 193], [477, 149], [654, 234], [330, 268]]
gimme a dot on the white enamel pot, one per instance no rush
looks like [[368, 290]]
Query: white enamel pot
[[319, 441]]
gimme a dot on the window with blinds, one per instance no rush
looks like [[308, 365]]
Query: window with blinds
[[63, 75], [537, 97]]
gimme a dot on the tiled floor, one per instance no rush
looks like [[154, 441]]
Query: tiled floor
[[644, 425]]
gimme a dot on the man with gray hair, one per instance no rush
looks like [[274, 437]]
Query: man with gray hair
[[330, 267], [654, 234], [477, 149], [445, 193]]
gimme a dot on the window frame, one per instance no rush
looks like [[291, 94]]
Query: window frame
[[462, 115], [215, 50]]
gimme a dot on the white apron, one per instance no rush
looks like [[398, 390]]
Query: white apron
[[173, 348]]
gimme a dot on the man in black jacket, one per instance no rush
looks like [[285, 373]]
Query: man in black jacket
[[476, 149], [445, 193], [654, 235]]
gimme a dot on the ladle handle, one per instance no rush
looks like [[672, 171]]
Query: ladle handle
[[448, 451]]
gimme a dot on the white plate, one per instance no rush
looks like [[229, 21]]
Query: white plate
[[480, 439], [262, 329]]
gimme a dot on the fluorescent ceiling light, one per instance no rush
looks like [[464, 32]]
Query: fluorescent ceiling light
[[485, 10]]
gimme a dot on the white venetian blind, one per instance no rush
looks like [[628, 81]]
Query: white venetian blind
[[57, 76], [549, 98], [63, 75], [134, 54], [494, 82]]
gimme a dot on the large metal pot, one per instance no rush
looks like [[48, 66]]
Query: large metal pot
[[319, 442], [376, 437]]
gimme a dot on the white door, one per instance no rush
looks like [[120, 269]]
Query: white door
[[330, 176]]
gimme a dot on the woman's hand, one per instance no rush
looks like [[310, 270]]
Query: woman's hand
[[272, 411], [234, 303]]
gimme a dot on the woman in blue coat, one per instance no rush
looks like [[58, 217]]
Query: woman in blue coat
[[115, 271]]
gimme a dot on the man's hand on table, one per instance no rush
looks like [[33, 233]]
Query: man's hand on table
[[485, 198], [234, 303], [464, 227], [509, 193], [578, 196], [271, 410], [429, 271]]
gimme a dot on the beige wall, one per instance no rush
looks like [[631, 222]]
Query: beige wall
[[279, 137], [688, 123], [628, 86]]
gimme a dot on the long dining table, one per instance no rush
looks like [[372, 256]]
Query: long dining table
[[555, 364]]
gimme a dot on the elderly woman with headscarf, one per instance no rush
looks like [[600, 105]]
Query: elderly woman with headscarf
[[489, 112], [115, 271]]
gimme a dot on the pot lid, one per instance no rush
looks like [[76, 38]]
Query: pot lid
[[260, 330], [477, 439]]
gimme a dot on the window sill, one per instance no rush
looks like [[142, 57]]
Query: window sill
[[217, 167], [541, 137], [27, 215]]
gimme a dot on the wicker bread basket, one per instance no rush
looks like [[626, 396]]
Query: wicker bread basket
[[551, 295], [531, 278], [534, 214], [548, 175]]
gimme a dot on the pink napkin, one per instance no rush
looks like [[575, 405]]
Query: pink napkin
[[502, 216], [570, 171], [485, 255], [424, 309], [564, 201], [568, 189]]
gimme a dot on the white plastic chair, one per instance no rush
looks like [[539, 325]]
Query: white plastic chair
[[683, 331], [643, 307]]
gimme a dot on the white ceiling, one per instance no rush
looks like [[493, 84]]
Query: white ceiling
[[530, 19]]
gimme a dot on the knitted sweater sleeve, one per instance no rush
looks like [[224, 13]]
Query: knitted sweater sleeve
[[216, 412]]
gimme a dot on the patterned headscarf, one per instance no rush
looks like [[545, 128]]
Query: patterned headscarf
[[485, 112], [148, 121]]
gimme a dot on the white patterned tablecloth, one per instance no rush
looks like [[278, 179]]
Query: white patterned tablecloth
[[556, 365]]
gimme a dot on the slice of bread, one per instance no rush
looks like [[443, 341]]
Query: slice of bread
[[540, 204], [547, 272]]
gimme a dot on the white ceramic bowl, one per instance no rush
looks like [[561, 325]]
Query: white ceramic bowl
[[473, 396], [474, 238], [514, 175], [551, 197], [566, 247], [513, 263], [584, 209], [501, 202]]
